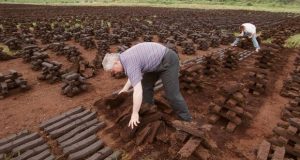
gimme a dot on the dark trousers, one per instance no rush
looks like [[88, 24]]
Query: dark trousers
[[168, 72]]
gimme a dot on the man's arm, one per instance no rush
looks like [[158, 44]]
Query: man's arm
[[137, 101], [251, 34], [126, 87]]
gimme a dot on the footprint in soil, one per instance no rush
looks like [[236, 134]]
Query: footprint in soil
[[8, 116], [38, 110]]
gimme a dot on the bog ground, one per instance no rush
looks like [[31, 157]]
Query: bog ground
[[57, 102]]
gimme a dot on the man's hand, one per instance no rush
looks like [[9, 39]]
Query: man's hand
[[126, 87], [120, 91], [123, 90], [134, 121]]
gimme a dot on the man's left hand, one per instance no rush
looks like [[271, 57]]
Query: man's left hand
[[134, 121]]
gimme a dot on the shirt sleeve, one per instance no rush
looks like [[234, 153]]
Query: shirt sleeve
[[134, 74], [132, 69]]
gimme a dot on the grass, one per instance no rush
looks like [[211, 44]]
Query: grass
[[207, 5], [293, 41], [267, 5], [6, 49], [268, 41], [236, 34], [7, 157]]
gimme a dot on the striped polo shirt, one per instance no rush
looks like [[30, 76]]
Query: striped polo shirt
[[141, 58]]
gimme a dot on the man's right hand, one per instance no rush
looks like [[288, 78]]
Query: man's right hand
[[121, 91], [126, 87]]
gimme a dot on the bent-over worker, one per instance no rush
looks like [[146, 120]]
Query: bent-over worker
[[144, 64], [248, 30]]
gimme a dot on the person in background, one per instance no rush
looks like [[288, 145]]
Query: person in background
[[144, 64], [247, 30]]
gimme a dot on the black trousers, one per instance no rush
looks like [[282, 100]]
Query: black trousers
[[168, 72]]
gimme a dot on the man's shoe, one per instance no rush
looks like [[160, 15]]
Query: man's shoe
[[233, 45], [184, 117], [257, 50]]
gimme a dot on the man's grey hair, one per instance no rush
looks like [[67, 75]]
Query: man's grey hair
[[109, 60]]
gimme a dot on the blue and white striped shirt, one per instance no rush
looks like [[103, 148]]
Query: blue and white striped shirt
[[142, 58]]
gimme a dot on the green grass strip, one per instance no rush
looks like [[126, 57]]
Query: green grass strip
[[272, 6], [293, 41]]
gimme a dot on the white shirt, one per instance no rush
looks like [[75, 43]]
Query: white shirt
[[249, 28]]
